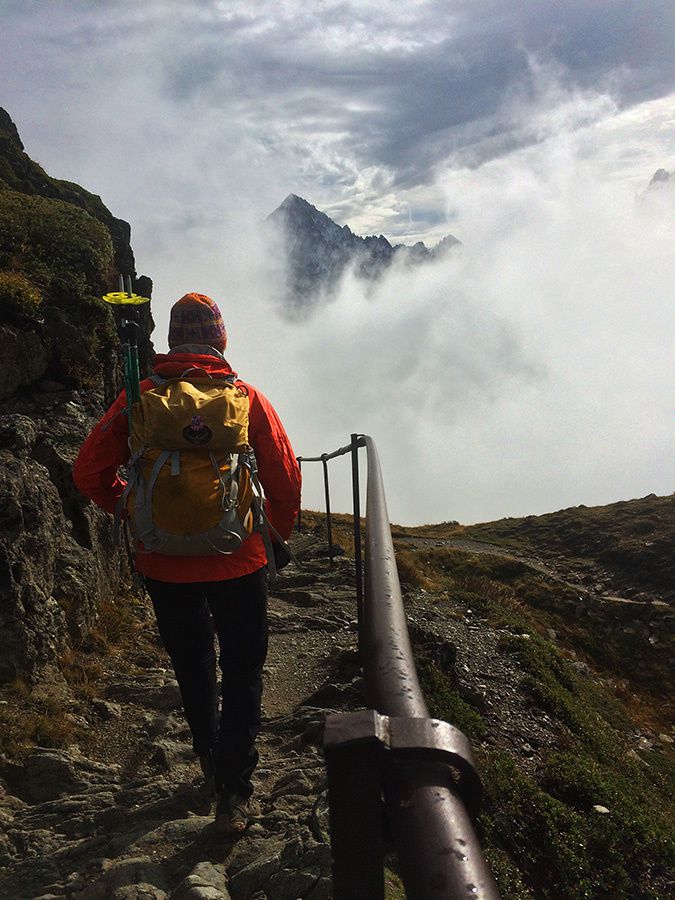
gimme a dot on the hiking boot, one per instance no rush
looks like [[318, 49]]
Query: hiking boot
[[207, 765], [234, 813]]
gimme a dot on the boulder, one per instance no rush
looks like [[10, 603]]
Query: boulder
[[205, 882], [51, 774]]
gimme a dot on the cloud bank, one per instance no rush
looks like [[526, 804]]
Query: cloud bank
[[530, 371]]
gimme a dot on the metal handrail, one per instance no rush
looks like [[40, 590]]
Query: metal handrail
[[390, 757], [357, 441], [437, 847]]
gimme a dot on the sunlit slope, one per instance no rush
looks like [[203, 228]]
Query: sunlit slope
[[599, 579]]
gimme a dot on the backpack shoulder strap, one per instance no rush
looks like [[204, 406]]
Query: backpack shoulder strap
[[202, 373], [159, 380]]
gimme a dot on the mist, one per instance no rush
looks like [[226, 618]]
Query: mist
[[528, 371]]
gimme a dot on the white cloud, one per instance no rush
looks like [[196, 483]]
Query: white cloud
[[345, 103], [530, 371]]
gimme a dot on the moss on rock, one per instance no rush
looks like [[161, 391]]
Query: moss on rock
[[20, 298], [57, 246], [56, 260]]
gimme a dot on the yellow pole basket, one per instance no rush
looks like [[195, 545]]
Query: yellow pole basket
[[122, 298]]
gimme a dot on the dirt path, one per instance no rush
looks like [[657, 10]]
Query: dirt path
[[582, 576], [470, 546]]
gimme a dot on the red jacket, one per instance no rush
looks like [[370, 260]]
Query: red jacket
[[107, 448]]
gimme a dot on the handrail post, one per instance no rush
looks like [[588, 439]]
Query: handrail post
[[358, 563], [299, 522], [324, 460], [354, 763]]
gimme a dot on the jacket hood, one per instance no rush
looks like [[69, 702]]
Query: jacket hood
[[170, 365]]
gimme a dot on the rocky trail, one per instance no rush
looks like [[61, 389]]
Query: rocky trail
[[129, 819], [134, 822]]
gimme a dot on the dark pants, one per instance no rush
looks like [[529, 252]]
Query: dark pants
[[189, 616]]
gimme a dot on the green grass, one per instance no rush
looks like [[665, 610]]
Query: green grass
[[444, 700], [55, 262], [20, 299], [393, 886], [541, 835], [545, 832], [546, 824], [56, 245]]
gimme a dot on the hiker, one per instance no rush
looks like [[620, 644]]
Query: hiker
[[196, 597]]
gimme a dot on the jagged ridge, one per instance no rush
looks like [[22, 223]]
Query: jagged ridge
[[319, 251]]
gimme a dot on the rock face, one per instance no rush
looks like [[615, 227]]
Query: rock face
[[60, 250], [660, 192], [24, 360], [57, 558], [319, 251], [659, 176]]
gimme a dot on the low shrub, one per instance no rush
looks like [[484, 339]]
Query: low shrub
[[20, 298], [444, 700], [55, 244]]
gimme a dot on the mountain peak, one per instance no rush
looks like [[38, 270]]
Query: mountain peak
[[8, 131], [320, 251], [292, 201], [660, 175], [294, 207]]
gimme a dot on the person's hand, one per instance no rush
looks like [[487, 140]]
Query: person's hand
[[281, 555]]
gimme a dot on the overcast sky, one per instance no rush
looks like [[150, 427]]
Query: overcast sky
[[531, 371]]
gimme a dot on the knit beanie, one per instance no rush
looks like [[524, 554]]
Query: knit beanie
[[196, 319]]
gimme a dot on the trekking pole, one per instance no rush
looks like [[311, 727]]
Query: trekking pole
[[126, 304]]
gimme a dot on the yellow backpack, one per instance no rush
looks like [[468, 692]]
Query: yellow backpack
[[192, 472]]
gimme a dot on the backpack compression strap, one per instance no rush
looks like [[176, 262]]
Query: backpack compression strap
[[264, 526]]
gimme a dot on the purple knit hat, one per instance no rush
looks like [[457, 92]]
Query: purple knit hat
[[196, 319]]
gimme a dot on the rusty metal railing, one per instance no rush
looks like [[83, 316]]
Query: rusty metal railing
[[394, 774]]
